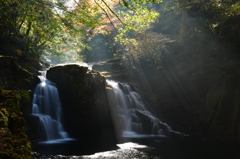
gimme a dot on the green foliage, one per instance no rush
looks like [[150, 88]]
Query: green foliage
[[221, 17], [36, 25], [136, 21], [150, 48], [100, 47], [132, 4], [32, 28]]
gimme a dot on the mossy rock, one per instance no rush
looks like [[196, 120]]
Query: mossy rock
[[113, 69], [12, 76], [12, 131]]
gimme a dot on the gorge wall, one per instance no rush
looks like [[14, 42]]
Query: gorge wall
[[16, 87], [203, 103]]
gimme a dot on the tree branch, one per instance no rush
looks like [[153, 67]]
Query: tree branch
[[112, 11], [106, 15]]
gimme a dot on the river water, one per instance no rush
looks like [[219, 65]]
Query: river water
[[156, 145], [158, 148]]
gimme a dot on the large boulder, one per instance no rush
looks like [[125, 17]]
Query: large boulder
[[84, 103]]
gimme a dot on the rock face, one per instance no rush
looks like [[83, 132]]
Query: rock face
[[84, 103], [15, 104], [12, 76], [222, 111], [13, 139], [113, 69]]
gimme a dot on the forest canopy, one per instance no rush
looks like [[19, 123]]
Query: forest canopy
[[31, 28], [88, 30]]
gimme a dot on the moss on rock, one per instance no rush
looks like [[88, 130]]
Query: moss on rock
[[12, 76], [13, 139], [16, 85]]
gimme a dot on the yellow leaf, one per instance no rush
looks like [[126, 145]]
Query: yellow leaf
[[19, 52]]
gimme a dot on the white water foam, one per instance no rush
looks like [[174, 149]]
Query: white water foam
[[47, 107], [137, 120]]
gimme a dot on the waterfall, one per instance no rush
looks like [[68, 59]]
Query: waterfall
[[134, 117], [46, 106]]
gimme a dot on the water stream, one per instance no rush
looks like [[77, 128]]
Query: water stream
[[134, 115], [46, 106]]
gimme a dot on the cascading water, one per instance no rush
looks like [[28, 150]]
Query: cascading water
[[47, 107], [134, 118]]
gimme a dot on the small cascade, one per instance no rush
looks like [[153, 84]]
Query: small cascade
[[47, 107], [134, 117]]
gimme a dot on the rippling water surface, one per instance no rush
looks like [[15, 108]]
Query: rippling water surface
[[158, 148], [127, 150]]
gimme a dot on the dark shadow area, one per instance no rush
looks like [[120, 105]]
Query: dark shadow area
[[186, 148], [189, 147], [84, 146]]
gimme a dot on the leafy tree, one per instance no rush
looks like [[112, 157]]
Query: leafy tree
[[150, 47], [38, 25]]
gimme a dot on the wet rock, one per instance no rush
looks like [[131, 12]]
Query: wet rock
[[84, 103]]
